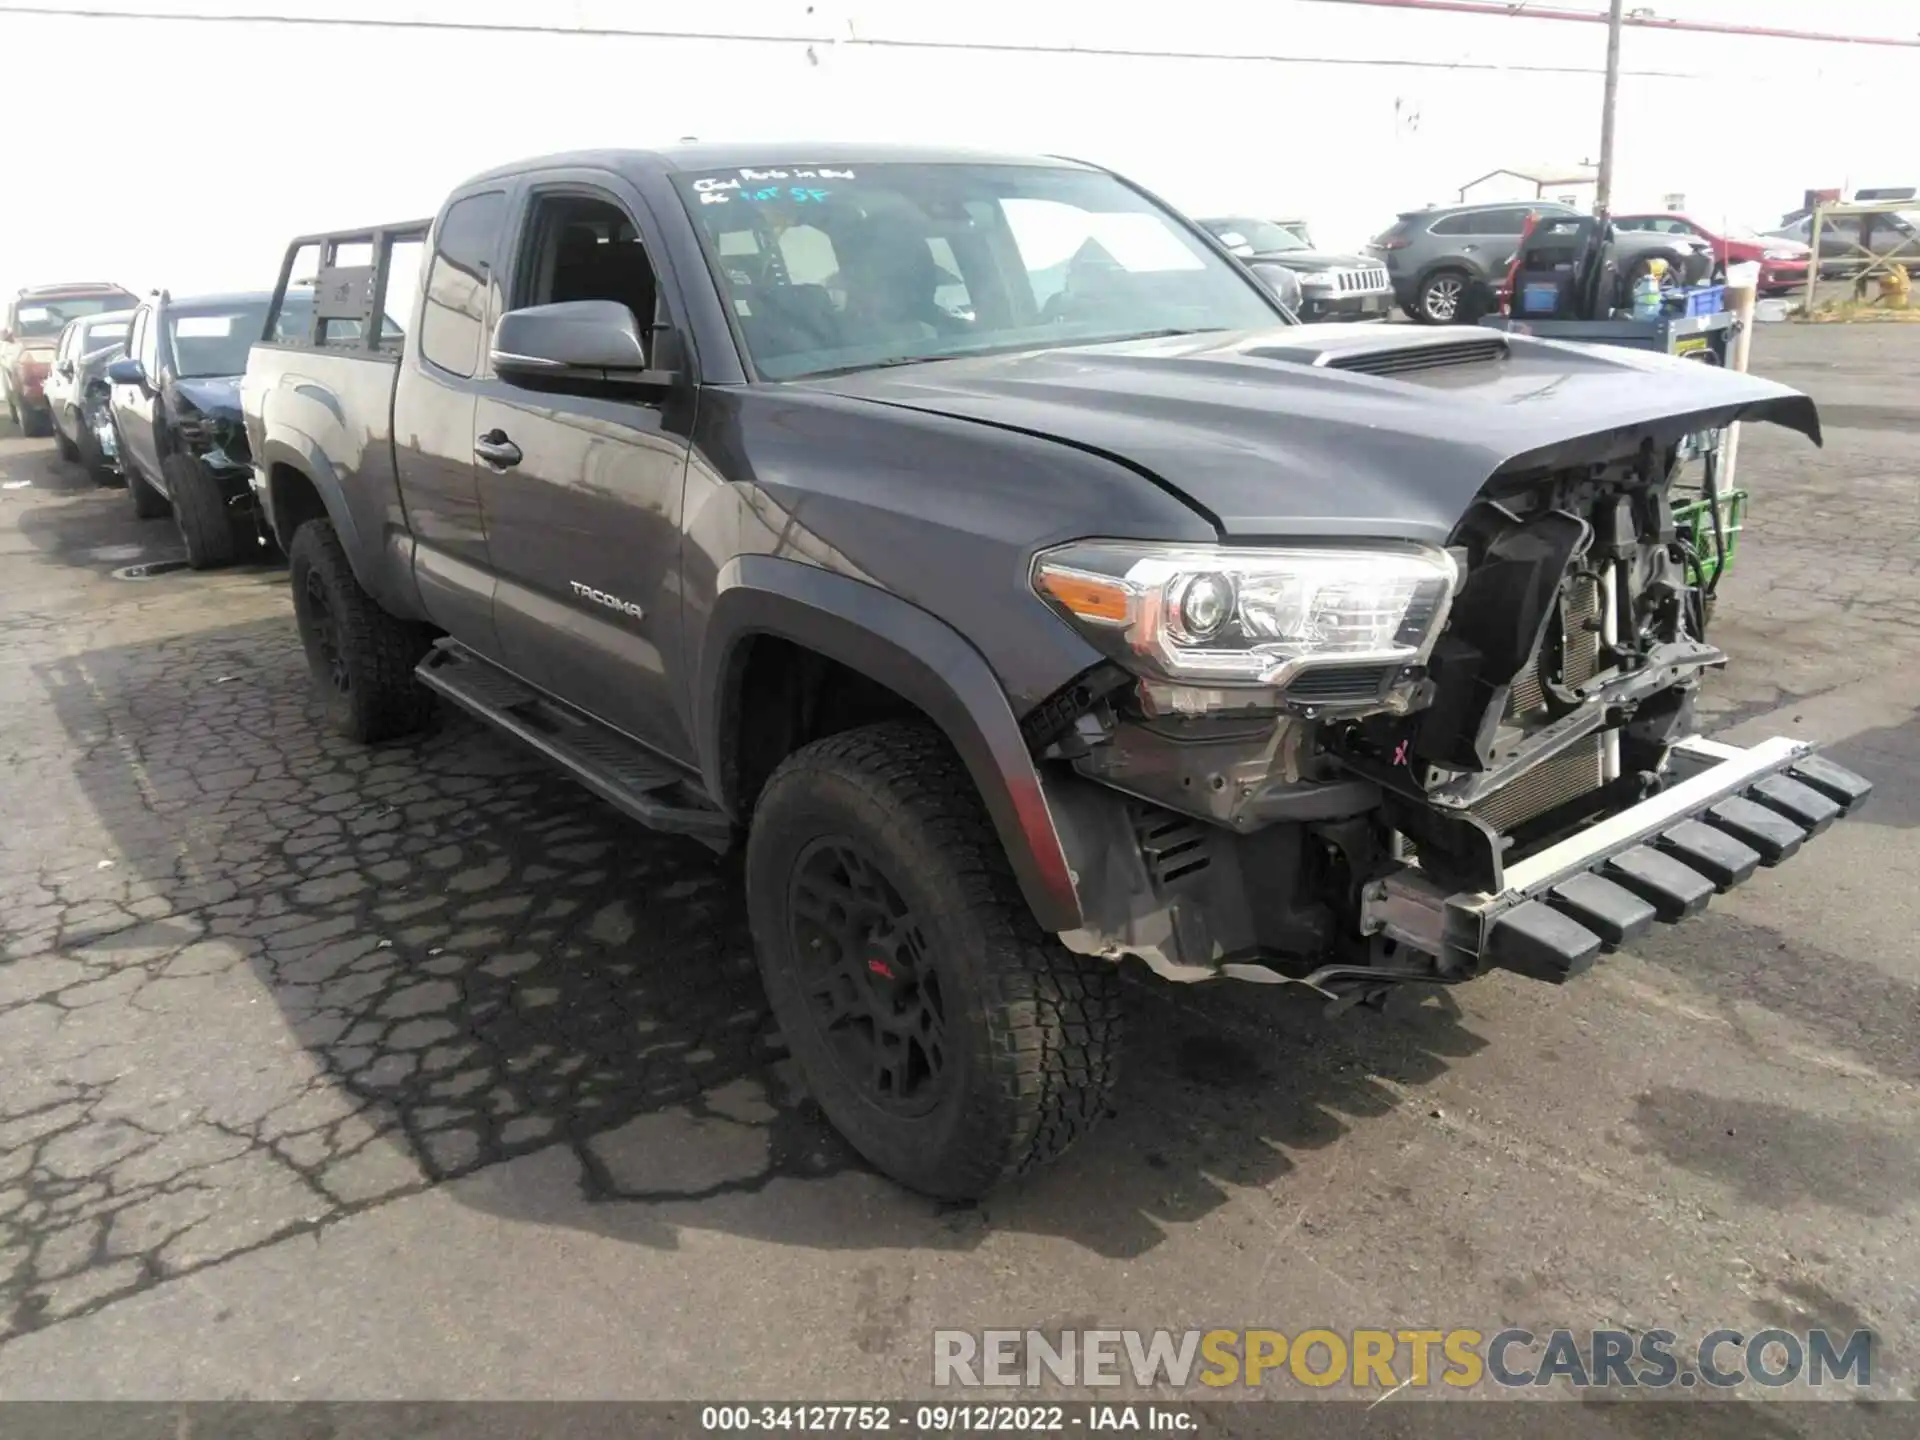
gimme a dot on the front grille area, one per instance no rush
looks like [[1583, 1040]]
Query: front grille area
[[1361, 281], [1422, 357], [1340, 684], [1567, 776], [1579, 647]]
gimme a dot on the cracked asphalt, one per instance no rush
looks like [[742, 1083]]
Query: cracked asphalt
[[414, 1072]]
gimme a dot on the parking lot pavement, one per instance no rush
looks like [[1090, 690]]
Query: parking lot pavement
[[414, 1071]]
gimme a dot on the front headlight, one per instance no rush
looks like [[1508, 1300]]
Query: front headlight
[[1781, 255], [1249, 617]]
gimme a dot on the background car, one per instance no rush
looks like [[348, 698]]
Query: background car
[[176, 410], [34, 319], [77, 392], [1332, 287], [1843, 236], [1447, 262], [1783, 262]]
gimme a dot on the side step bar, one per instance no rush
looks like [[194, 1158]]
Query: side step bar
[[619, 770]]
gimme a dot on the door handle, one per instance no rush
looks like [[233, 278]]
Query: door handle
[[497, 450]]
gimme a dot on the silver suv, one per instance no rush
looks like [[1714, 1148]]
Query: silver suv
[[1447, 263]]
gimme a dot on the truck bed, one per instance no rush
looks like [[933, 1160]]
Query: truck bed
[[322, 401]]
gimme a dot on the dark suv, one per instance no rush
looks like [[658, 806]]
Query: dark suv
[[1446, 264], [975, 542], [175, 406]]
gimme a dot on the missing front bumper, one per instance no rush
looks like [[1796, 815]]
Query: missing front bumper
[[1729, 812]]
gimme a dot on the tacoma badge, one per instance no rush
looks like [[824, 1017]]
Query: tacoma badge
[[601, 597]]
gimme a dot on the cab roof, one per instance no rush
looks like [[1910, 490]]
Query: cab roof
[[678, 159]]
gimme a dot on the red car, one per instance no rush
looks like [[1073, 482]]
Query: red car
[[1783, 263]]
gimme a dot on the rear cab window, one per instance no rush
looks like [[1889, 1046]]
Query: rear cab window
[[457, 282]]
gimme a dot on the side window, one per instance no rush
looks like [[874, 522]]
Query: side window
[[148, 339], [582, 248], [1454, 225], [456, 307], [64, 350], [1504, 222], [1633, 224]]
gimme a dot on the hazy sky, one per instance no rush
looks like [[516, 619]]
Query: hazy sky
[[185, 153]]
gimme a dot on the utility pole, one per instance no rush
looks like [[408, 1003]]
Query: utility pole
[[1603, 186]]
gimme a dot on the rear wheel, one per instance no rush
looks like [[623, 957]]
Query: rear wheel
[[951, 1041], [201, 513], [361, 658], [35, 423]]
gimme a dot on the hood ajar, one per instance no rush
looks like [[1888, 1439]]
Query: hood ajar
[[1312, 431]]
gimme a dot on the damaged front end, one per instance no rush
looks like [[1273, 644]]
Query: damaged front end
[[208, 426], [1407, 764]]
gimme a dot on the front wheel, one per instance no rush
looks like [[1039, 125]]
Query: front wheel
[[200, 512], [69, 451], [361, 658], [951, 1041], [1445, 298]]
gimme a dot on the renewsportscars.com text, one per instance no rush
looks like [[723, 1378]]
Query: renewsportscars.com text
[[1394, 1359]]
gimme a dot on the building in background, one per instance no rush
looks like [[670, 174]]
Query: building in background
[[1568, 184]]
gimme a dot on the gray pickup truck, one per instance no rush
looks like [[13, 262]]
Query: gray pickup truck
[[979, 543]]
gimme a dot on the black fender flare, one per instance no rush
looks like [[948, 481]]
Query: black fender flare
[[919, 657], [312, 464]]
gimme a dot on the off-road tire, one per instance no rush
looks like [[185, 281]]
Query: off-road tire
[[148, 503], [201, 514], [69, 451], [1033, 1030], [364, 671]]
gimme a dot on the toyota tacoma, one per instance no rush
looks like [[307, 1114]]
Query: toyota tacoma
[[979, 544]]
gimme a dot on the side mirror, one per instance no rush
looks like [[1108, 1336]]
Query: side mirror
[[592, 341], [1284, 284], [65, 368], [126, 372]]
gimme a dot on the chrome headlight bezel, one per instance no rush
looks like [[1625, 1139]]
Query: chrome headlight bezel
[[1293, 608]]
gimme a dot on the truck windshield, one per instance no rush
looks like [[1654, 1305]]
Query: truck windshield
[[207, 343], [1264, 236], [831, 268], [45, 316], [103, 333]]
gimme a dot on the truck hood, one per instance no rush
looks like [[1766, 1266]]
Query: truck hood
[[1277, 434]]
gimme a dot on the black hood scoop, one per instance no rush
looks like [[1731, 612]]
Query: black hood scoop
[[1382, 351], [1404, 361]]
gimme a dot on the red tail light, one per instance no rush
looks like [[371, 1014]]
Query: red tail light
[[1391, 242]]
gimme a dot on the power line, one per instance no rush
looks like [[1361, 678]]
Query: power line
[[870, 43], [1529, 10]]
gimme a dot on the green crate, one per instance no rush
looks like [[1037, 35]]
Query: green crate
[[1694, 523]]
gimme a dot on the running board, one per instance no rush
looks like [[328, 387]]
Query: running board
[[619, 770]]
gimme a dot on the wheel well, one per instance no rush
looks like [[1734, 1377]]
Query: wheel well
[[294, 500], [781, 696]]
